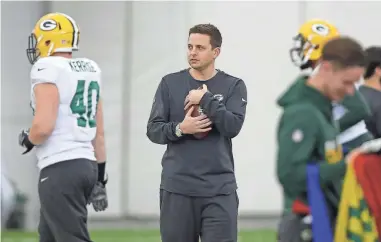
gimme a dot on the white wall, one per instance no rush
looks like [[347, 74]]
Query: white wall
[[136, 43], [354, 18], [15, 96], [158, 47]]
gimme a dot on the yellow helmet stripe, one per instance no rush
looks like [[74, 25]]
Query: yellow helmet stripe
[[75, 31]]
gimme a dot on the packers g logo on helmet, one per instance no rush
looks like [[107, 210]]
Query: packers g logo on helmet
[[309, 42], [48, 25], [320, 29], [54, 32]]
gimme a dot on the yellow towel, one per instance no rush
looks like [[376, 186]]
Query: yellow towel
[[354, 222]]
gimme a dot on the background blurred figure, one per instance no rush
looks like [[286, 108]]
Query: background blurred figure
[[305, 54], [307, 134], [371, 89], [8, 196], [13, 202]]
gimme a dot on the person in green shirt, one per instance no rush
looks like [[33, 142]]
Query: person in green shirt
[[307, 131], [353, 109]]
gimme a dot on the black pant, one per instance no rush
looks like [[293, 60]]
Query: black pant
[[185, 219], [64, 189], [295, 228]]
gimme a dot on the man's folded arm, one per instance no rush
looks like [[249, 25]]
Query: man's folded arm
[[227, 118], [159, 129]]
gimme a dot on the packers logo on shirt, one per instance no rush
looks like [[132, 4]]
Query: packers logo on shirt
[[218, 97], [297, 136], [333, 151]]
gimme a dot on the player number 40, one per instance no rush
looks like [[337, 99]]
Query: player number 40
[[86, 111]]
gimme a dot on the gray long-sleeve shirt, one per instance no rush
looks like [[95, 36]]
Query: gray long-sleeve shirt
[[190, 166], [373, 98]]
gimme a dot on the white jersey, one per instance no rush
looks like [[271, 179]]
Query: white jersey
[[78, 82], [352, 132]]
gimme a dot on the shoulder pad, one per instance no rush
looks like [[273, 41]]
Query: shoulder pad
[[59, 62], [47, 70]]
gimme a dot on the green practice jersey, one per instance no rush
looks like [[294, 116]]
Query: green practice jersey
[[308, 133]]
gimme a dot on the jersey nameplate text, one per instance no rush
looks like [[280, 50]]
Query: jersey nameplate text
[[81, 66]]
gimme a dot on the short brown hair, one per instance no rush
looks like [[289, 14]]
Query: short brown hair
[[344, 52], [373, 60], [210, 30]]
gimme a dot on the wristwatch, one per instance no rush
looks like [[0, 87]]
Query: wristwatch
[[178, 131]]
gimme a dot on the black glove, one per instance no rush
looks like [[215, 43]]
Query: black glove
[[24, 141], [98, 197]]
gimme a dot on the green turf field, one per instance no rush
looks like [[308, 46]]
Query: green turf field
[[135, 236]]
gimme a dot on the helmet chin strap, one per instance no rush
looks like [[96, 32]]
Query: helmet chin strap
[[307, 55], [50, 49], [311, 47]]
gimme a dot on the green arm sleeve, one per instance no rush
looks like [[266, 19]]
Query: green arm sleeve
[[297, 139], [357, 108]]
